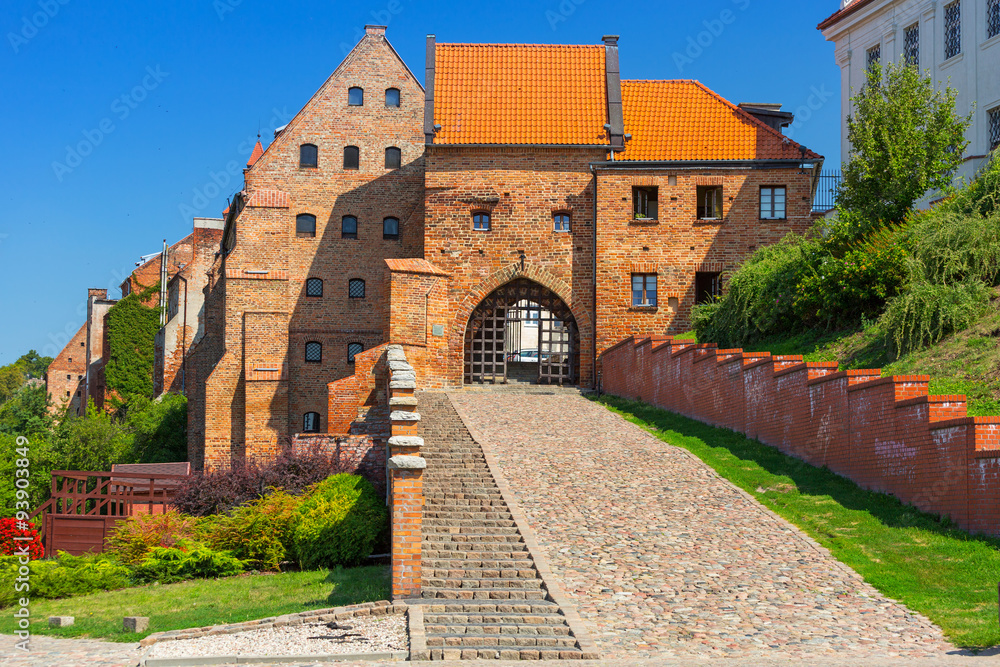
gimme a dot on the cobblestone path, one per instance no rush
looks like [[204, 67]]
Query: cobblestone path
[[51, 651], [664, 558]]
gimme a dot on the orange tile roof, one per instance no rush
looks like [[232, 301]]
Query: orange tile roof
[[520, 94], [258, 150], [684, 120]]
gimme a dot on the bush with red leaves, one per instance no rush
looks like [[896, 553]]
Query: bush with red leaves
[[217, 492], [12, 547]]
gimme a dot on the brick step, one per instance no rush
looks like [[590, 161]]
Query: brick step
[[458, 504], [518, 607], [470, 530], [455, 495], [509, 583], [482, 594], [458, 473], [494, 639], [433, 539], [468, 551], [472, 572], [533, 619], [461, 491], [475, 563], [506, 653]]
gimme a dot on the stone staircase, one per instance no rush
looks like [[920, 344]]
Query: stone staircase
[[482, 595]]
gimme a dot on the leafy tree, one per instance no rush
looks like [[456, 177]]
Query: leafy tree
[[33, 364], [11, 379], [26, 413], [906, 139], [94, 442]]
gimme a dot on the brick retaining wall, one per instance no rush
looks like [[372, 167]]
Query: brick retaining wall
[[884, 433]]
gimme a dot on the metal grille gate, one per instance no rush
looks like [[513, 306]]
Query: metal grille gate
[[494, 332]]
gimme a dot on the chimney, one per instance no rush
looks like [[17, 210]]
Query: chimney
[[431, 52], [101, 294], [615, 115], [377, 30]]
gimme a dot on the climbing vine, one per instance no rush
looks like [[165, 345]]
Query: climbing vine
[[131, 334]]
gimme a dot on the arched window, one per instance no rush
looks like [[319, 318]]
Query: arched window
[[390, 228], [352, 157], [354, 349], [356, 288], [308, 155], [481, 221], [305, 225], [314, 287], [560, 222], [349, 227], [355, 97], [392, 97], [310, 422], [314, 352], [393, 157]]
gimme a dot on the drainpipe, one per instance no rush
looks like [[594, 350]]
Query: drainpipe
[[593, 335]]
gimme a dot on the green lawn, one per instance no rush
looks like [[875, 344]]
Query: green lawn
[[203, 602], [934, 569]]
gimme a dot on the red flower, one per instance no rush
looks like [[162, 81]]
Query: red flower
[[10, 546]]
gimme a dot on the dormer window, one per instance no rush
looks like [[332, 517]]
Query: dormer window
[[308, 156], [392, 97], [355, 97]]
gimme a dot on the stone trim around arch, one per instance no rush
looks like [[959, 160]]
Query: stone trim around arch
[[581, 313]]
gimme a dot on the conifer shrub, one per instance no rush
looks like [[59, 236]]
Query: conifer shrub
[[64, 576], [258, 533], [338, 523], [186, 560], [135, 537]]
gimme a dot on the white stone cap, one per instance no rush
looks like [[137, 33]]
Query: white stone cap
[[403, 376], [396, 365], [403, 384], [403, 400], [406, 441], [407, 463], [403, 416]]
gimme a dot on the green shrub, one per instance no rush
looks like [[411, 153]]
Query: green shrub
[[948, 247], [258, 533], [133, 538], [845, 289], [761, 295], [926, 313], [338, 523], [62, 577], [186, 560]]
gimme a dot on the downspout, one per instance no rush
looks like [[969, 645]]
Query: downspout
[[593, 336], [184, 338]]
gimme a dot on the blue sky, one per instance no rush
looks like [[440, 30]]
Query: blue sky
[[119, 118]]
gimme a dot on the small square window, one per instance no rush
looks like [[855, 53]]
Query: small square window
[[560, 222], [356, 288], [355, 97], [349, 227], [644, 203], [707, 286], [392, 97], [390, 228], [314, 352], [305, 225], [772, 203], [644, 290], [353, 350], [481, 222], [314, 287], [310, 422], [709, 202]]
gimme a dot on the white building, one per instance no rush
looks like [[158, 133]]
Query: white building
[[958, 42]]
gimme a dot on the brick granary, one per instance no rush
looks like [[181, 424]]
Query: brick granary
[[524, 186]]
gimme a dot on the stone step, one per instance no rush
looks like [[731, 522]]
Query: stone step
[[473, 573], [482, 594], [509, 583], [451, 522], [505, 653], [469, 639], [470, 530], [463, 515], [518, 607], [533, 619], [493, 563], [432, 540]]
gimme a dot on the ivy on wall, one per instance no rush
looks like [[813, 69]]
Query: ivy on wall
[[131, 328]]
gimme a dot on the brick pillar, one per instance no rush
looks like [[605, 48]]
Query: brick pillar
[[407, 484]]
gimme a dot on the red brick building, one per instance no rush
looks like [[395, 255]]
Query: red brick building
[[525, 183], [66, 375]]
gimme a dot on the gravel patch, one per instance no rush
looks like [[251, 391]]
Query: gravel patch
[[357, 635]]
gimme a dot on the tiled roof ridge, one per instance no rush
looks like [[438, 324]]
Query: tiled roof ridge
[[520, 45]]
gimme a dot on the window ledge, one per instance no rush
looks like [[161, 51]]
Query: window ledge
[[774, 219], [995, 39], [954, 60], [709, 221], [643, 309], [644, 221]]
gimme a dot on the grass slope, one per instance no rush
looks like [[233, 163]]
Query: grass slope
[[941, 572], [202, 602]]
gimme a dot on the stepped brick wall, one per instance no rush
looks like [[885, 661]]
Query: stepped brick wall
[[884, 433]]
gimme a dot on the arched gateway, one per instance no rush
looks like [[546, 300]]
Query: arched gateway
[[522, 332]]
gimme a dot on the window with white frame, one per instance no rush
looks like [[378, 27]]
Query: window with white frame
[[643, 290], [772, 202], [952, 29], [560, 222], [911, 45]]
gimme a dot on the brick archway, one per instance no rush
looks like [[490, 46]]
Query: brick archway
[[544, 278]]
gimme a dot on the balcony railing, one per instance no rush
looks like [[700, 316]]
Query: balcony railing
[[826, 191]]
